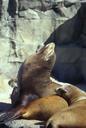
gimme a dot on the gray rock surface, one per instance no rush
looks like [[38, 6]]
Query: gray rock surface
[[23, 124]]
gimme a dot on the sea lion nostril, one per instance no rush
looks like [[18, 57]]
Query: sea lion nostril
[[50, 45], [50, 126]]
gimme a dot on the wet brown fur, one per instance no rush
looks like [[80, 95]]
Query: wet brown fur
[[41, 109], [34, 76]]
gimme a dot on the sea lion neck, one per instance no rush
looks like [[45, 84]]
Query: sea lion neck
[[42, 79], [40, 85], [36, 82], [40, 76]]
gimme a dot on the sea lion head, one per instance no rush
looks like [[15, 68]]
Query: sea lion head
[[47, 54], [42, 61], [71, 93], [68, 92]]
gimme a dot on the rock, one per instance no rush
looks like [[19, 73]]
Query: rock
[[29, 14], [5, 92], [26, 24], [42, 5], [23, 124], [5, 89]]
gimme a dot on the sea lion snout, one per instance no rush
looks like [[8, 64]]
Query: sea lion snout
[[50, 46], [65, 91], [60, 91], [47, 51]]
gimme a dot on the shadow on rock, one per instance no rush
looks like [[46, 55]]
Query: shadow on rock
[[4, 106]]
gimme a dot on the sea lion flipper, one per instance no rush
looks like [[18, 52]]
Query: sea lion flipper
[[9, 116], [15, 96]]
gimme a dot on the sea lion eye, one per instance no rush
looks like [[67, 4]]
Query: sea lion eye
[[39, 48]]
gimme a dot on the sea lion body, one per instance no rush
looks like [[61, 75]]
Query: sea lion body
[[42, 109], [75, 115], [34, 76]]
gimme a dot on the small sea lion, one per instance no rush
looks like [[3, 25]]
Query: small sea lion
[[75, 115], [40, 109], [34, 75]]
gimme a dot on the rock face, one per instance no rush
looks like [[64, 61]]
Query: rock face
[[25, 24], [23, 124]]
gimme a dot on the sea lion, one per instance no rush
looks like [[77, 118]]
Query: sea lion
[[34, 75], [75, 115], [40, 109]]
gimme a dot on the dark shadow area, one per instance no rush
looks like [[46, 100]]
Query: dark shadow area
[[0, 9], [69, 32], [12, 5], [4, 107], [3, 126], [69, 38]]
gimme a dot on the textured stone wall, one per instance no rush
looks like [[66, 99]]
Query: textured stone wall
[[25, 24]]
